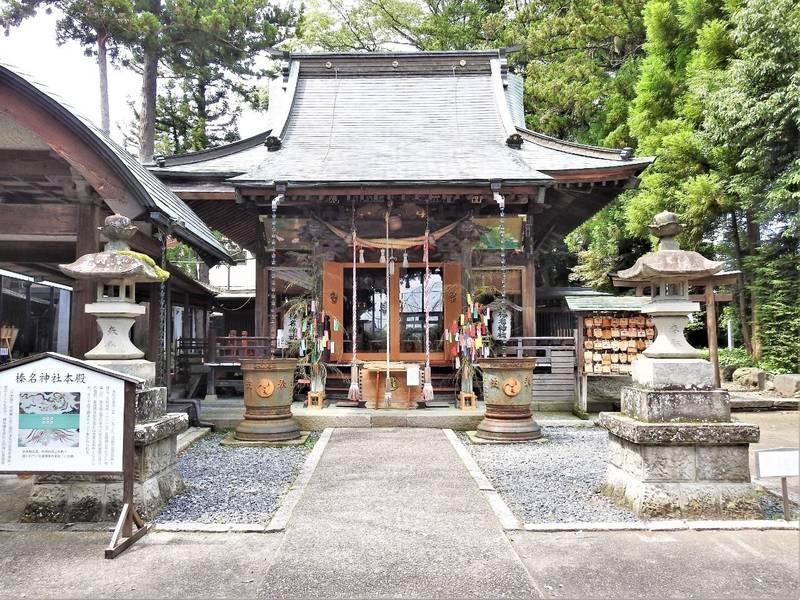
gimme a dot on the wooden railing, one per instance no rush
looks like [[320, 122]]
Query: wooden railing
[[535, 347], [234, 346]]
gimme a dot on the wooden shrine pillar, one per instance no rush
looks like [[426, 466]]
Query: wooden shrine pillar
[[711, 329], [186, 322], [261, 312], [529, 282], [83, 327], [153, 323]]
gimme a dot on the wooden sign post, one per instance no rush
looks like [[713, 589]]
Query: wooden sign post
[[779, 462], [59, 415]]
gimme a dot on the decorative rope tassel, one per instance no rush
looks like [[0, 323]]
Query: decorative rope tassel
[[354, 393], [427, 389]]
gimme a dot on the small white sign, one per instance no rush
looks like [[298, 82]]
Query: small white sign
[[60, 416], [412, 375], [778, 462], [281, 341]]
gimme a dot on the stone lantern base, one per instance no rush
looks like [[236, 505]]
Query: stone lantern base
[[87, 498], [676, 454]]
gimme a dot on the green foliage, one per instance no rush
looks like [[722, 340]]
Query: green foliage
[[83, 21], [209, 50], [776, 288], [370, 25], [581, 61]]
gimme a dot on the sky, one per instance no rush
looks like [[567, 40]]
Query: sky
[[31, 49]]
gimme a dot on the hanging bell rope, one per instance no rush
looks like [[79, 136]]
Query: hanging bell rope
[[387, 396], [427, 387], [354, 393]]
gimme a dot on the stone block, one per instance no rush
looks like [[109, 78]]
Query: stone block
[[678, 433], [166, 425], [137, 367], [86, 502], [676, 405], [750, 377], [739, 501], [151, 403], [656, 501], [667, 463], [155, 457], [787, 386], [113, 500], [46, 504], [673, 374], [615, 451], [723, 463], [701, 501], [631, 459]]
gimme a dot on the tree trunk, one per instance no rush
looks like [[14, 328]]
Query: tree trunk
[[102, 64], [740, 286], [147, 116], [753, 242]]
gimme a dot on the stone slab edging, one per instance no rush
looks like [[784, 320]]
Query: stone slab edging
[[667, 525], [281, 517], [501, 510]]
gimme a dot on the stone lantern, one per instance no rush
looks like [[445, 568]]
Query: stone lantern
[[116, 272], [673, 449], [69, 497]]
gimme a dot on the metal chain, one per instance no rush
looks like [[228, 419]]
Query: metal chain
[[273, 300], [426, 283], [161, 367], [503, 316]]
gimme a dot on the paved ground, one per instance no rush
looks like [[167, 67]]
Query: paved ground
[[160, 565], [680, 564], [394, 513], [778, 429]]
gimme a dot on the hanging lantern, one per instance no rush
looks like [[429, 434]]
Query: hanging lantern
[[395, 223], [382, 259]]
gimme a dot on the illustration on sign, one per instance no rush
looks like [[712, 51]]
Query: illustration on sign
[[49, 419]]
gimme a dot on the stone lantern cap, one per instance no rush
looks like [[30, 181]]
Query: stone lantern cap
[[117, 261], [669, 262]]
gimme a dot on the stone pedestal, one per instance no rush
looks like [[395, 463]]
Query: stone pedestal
[[81, 498], [676, 454]]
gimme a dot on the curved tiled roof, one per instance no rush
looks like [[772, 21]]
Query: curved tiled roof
[[143, 186], [396, 118]]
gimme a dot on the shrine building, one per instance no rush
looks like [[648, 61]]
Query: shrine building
[[382, 147]]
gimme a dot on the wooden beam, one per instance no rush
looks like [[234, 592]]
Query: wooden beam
[[83, 327], [261, 325], [32, 163], [69, 146], [40, 219], [529, 282], [36, 251]]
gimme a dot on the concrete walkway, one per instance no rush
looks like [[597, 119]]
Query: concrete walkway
[[394, 513]]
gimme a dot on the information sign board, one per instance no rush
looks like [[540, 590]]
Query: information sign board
[[58, 415]]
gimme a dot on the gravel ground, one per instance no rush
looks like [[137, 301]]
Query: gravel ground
[[558, 481], [552, 482], [233, 485]]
